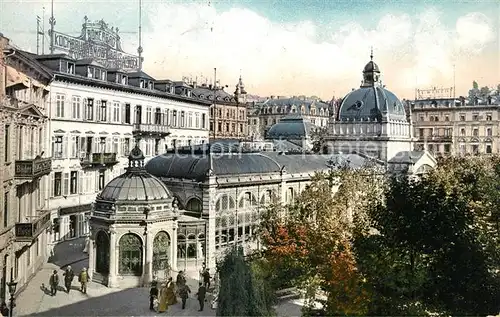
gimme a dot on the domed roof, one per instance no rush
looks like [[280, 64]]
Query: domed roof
[[136, 184], [370, 103], [371, 67], [293, 127]]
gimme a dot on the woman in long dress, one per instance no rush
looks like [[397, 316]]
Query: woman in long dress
[[163, 304], [171, 298]]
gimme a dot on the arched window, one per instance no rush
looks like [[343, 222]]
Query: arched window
[[266, 198], [130, 255], [225, 202], [181, 247], [102, 253], [201, 245], [194, 204], [191, 246], [161, 250], [247, 200]]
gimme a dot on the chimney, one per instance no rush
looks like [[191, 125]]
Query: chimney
[[210, 86], [194, 84]]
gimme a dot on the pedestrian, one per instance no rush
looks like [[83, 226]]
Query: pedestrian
[[206, 279], [184, 294], [83, 278], [153, 294], [180, 280], [202, 271], [69, 275], [54, 283], [202, 291]]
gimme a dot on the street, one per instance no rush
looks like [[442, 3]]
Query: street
[[35, 300]]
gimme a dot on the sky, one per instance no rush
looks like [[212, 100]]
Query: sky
[[294, 47]]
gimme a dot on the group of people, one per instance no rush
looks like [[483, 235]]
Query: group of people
[[68, 275], [160, 299]]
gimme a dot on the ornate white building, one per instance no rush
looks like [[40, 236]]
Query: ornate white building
[[95, 116], [372, 121]]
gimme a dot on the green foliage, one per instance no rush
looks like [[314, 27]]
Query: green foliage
[[437, 245], [243, 292], [475, 85]]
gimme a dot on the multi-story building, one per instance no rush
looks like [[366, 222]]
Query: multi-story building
[[449, 126], [25, 165], [262, 115], [96, 116], [228, 113]]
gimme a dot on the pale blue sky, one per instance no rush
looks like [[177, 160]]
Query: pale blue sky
[[291, 47]]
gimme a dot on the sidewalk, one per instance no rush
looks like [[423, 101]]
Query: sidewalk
[[32, 298]]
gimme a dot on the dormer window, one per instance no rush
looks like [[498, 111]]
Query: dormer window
[[189, 93], [71, 68], [90, 72], [142, 83], [171, 90], [124, 80], [150, 85], [103, 75]]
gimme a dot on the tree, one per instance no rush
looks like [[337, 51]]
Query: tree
[[475, 85], [434, 249], [242, 292], [310, 240]]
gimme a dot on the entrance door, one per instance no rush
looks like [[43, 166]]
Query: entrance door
[[89, 144]]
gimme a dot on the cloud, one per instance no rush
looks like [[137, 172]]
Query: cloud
[[300, 57]]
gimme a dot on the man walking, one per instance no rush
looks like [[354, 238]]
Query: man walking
[[201, 295], [206, 279], [184, 293], [69, 275], [83, 278], [54, 283]]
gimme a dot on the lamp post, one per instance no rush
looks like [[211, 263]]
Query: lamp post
[[12, 290]]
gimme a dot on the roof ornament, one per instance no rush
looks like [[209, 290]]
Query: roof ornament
[[371, 54], [136, 158]]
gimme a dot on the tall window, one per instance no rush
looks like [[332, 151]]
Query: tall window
[[57, 146], [190, 120], [158, 116], [115, 145], [148, 115], [73, 185], [183, 119], [127, 113], [197, 121], [116, 112], [101, 179], [89, 109], [130, 255], [174, 118], [103, 111], [6, 209], [126, 146], [57, 184], [60, 106], [76, 109], [7, 144]]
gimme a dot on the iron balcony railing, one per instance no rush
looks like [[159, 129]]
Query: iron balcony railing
[[96, 159], [151, 129]]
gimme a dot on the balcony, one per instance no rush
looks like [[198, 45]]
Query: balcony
[[435, 138], [31, 169], [27, 231], [143, 129], [98, 160]]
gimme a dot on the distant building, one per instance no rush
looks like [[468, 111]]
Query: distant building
[[25, 165], [457, 126], [372, 122], [262, 115], [228, 112]]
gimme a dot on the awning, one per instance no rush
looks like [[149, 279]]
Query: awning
[[14, 78]]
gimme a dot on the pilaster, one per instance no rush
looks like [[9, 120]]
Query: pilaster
[[91, 249], [113, 263], [173, 249], [148, 252]]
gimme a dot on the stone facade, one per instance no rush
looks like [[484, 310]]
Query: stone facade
[[24, 166], [96, 117], [263, 115], [449, 126]]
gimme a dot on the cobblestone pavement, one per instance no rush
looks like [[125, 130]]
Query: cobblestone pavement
[[35, 300]]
